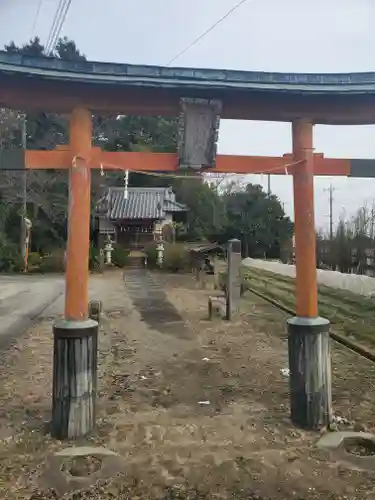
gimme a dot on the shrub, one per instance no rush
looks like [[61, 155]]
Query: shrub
[[53, 263], [168, 233], [176, 258], [17, 263], [10, 258], [120, 257], [151, 254], [34, 259]]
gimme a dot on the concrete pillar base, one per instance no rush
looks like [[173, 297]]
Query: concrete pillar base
[[310, 372], [74, 378]]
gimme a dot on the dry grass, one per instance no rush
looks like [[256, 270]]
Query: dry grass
[[350, 314]]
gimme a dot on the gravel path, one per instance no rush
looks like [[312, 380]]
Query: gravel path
[[195, 409]]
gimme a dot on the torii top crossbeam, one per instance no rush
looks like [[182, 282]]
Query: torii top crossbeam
[[57, 85]]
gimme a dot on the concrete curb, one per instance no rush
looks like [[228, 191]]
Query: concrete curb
[[21, 324]]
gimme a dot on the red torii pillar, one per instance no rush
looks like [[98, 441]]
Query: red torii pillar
[[75, 337], [308, 340], [76, 298]]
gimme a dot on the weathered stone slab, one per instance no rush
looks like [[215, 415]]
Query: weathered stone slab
[[58, 476], [216, 307], [332, 440], [354, 450], [80, 451], [95, 310]]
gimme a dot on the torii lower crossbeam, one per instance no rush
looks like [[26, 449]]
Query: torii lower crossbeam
[[61, 158]]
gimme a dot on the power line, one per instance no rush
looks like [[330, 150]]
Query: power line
[[54, 24], [205, 33], [60, 25], [60, 16], [24, 193], [62, 22], [36, 16]]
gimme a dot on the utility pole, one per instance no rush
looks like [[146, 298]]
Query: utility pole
[[330, 190], [269, 184], [372, 238], [24, 194]]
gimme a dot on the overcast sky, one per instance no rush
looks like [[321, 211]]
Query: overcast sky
[[269, 35]]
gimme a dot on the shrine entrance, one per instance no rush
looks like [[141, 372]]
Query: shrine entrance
[[199, 98]]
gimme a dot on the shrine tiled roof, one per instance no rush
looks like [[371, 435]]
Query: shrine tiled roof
[[140, 203]]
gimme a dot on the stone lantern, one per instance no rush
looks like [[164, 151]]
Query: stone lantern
[[160, 253], [108, 248]]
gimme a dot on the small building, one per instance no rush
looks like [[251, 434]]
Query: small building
[[136, 217]]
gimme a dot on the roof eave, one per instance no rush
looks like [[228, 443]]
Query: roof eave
[[143, 76]]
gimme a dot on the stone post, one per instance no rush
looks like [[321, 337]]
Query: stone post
[[233, 291]]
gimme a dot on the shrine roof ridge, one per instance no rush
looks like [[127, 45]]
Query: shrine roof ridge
[[134, 75], [140, 203]]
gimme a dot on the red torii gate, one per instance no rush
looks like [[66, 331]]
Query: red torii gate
[[82, 88], [80, 158]]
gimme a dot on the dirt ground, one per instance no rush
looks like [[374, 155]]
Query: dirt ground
[[195, 409]]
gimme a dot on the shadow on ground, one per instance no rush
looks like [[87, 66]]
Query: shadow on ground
[[148, 296]]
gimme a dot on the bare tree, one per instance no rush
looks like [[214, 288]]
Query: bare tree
[[352, 248], [225, 182]]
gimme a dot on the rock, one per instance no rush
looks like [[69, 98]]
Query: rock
[[333, 427], [337, 419], [216, 307], [292, 456], [358, 427], [31, 399]]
